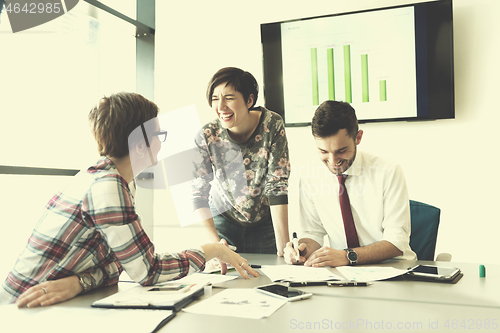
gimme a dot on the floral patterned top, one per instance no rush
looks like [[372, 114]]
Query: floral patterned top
[[249, 176]]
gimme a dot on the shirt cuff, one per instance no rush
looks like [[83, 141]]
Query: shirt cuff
[[401, 241], [196, 259], [315, 236], [278, 200]]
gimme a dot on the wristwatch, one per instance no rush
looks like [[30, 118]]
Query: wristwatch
[[352, 256], [85, 282]]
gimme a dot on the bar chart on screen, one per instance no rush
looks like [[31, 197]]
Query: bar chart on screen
[[340, 76], [367, 60]]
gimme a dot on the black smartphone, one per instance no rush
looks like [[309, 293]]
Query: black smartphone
[[284, 292]]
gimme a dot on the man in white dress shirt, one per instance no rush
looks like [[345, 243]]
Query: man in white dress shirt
[[377, 193]]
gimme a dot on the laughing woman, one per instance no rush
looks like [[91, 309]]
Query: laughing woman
[[241, 192]]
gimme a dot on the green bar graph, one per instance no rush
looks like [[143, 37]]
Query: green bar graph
[[331, 75], [383, 90], [361, 80], [314, 70], [347, 73], [364, 78]]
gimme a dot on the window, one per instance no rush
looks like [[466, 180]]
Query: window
[[51, 76]]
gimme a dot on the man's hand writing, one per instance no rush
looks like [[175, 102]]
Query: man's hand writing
[[291, 254]]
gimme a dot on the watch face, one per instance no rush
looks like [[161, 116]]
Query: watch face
[[352, 256], [86, 282]]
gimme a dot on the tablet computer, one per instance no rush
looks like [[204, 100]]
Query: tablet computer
[[437, 273]]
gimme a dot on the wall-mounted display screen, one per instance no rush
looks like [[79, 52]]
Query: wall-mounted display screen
[[391, 63]]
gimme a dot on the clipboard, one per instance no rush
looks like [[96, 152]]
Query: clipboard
[[151, 297]]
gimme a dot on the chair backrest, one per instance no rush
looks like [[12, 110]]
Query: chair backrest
[[424, 229]]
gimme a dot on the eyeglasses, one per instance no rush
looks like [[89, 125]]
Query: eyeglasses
[[162, 135]]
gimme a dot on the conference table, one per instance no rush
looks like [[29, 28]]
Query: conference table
[[395, 305]]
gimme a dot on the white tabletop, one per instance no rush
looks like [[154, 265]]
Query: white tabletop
[[472, 304]]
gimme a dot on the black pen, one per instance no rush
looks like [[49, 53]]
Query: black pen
[[308, 284], [232, 269], [295, 242], [349, 284]]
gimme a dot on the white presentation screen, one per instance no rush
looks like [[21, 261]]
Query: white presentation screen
[[366, 59], [393, 63]]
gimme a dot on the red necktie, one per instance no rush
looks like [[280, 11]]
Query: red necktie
[[345, 207]]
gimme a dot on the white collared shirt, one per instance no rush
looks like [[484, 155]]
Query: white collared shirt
[[379, 202]]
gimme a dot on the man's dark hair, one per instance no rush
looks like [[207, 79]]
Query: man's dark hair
[[241, 81], [332, 116]]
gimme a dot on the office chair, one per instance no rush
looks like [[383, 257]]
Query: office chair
[[424, 229]]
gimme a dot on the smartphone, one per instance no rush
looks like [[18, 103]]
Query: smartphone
[[284, 292], [434, 272]]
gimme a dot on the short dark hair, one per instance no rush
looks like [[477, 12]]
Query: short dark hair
[[115, 117], [241, 81], [332, 116]]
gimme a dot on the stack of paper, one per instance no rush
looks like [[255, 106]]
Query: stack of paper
[[291, 273], [369, 273]]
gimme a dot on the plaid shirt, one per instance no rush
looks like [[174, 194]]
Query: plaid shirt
[[92, 227]]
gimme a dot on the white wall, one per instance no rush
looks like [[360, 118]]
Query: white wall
[[448, 163]]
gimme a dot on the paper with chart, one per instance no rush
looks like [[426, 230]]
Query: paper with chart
[[242, 303], [292, 273], [369, 273]]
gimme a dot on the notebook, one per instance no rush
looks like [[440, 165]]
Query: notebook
[[161, 297]]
